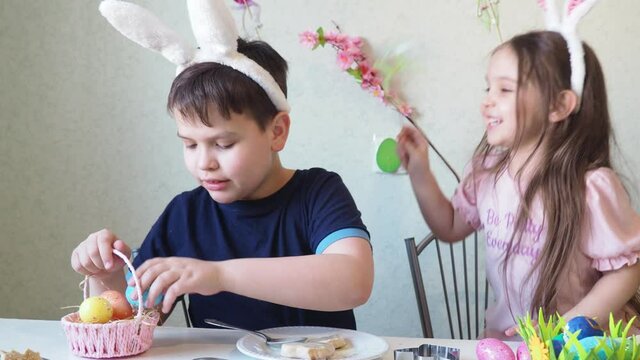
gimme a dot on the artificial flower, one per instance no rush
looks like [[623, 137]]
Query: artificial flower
[[352, 59]]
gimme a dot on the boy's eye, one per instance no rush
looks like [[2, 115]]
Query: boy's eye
[[189, 146], [507, 90], [224, 146]]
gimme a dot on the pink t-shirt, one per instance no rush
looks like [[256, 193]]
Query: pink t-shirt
[[612, 241]]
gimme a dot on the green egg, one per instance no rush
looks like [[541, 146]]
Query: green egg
[[387, 157]]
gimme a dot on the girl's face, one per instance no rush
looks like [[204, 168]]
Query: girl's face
[[233, 159], [499, 106]]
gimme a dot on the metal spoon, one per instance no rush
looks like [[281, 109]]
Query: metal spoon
[[269, 340]]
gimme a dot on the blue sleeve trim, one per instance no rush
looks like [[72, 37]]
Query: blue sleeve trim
[[339, 235]]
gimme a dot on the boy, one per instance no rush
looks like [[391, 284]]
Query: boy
[[255, 245]]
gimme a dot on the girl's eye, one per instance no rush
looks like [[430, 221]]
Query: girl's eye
[[507, 90]]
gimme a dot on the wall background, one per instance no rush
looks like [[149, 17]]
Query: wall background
[[86, 142]]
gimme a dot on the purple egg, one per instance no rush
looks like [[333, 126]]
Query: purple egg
[[494, 349], [523, 352]]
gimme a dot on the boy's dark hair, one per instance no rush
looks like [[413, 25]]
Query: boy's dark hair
[[205, 85]]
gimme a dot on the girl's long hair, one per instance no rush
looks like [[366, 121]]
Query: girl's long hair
[[572, 147]]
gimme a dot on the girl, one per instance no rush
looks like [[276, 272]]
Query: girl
[[560, 232]]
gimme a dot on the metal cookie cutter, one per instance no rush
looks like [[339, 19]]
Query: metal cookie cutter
[[427, 352]]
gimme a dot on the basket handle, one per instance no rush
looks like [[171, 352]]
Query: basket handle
[[85, 289]]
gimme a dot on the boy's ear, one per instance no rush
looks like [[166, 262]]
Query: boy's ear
[[279, 131], [565, 104]]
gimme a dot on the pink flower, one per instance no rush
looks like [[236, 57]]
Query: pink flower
[[370, 76], [405, 109], [356, 52], [344, 60], [377, 92], [330, 37], [309, 39], [356, 41], [339, 40], [352, 59]]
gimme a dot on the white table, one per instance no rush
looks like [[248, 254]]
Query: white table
[[176, 343]]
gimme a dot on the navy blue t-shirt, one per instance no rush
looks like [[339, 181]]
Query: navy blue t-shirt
[[309, 213]]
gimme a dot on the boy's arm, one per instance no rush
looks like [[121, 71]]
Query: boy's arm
[[341, 278]]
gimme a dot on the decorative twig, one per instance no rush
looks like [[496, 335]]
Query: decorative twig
[[487, 11], [352, 59]]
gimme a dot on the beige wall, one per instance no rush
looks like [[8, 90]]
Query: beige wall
[[86, 142]]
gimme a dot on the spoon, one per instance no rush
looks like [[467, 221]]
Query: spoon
[[269, 340]]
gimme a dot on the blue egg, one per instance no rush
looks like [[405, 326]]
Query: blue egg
[[558, 344], [587, 326], [592, 342], [132, 289]]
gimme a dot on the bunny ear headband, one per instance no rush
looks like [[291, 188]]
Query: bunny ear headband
[[215, 32], [574, 10]]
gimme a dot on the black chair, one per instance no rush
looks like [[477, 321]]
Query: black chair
[[185, 312], [463, 283]]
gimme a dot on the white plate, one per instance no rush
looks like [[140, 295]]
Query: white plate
[[362, 346]]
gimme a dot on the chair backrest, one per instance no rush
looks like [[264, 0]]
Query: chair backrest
[[462, 281]]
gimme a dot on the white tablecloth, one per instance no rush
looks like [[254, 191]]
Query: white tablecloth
[[176, 343]]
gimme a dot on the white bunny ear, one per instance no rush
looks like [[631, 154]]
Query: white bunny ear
[[214, 29], [576, 10], [213, 26], [551, 18], [144, 28], [216, 33]]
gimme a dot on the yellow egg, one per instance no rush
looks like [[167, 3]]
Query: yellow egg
[[95, 310]]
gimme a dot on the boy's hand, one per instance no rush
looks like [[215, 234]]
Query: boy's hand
[[413, 150], [94, 256], [175, 276]]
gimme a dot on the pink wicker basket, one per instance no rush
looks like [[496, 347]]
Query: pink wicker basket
[[113, 339]]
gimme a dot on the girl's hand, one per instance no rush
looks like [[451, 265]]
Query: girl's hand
[[513, 331], [413, 150], [94, 256], [175, 276]]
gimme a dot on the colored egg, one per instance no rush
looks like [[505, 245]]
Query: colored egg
[[131, 290], [592, 342], [387, 157], [494, 349], [587, 327], [558, 344], [121, 307], [523, 352], [95, 310]]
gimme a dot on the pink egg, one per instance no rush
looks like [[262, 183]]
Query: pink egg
[[494, 349], [121, 307], [523, 352]]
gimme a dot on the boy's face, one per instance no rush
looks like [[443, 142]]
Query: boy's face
[[234, 159]]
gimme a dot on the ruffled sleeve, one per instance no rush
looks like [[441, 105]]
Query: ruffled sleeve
[[613, 237], [464, 199]]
